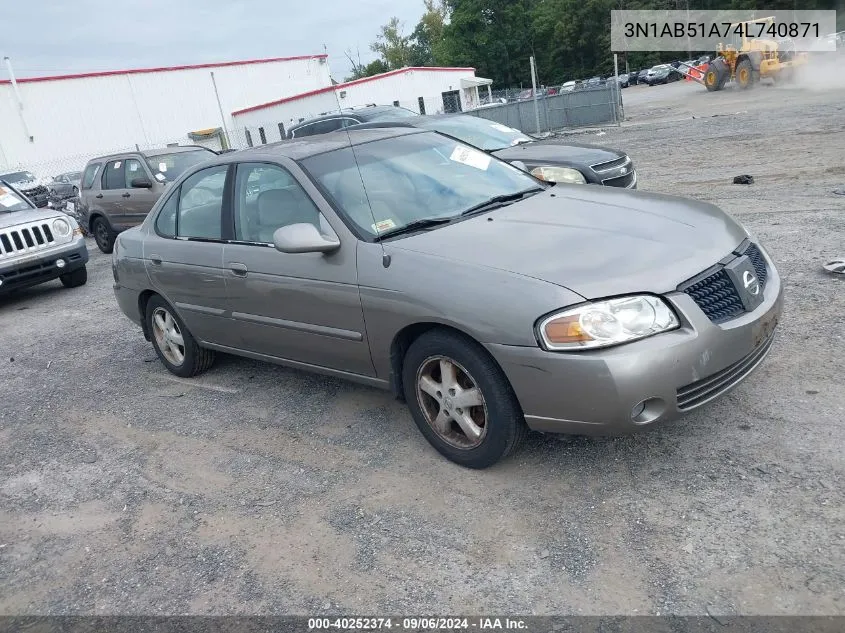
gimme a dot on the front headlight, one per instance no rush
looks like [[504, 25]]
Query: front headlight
[[604, 323], [559, 174], [61, 227]]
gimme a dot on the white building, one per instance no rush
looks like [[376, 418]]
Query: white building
[[54, 124], [426, 90]]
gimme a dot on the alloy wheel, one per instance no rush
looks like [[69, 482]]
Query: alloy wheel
[[168, 336], [451, 402]]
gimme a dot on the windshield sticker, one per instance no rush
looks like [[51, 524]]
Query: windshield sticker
[[471, 157], [383, 225], [8, 199], [501, 128], [116, 165], [162, 167]]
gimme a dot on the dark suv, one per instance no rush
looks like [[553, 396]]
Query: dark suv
[[29, 185], [331, 121], [118, 191]]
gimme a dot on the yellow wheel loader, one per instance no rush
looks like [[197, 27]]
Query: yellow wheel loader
[[746, 60]]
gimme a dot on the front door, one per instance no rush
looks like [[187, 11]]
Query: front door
[[137, 201], [183, 256], [299, 307]]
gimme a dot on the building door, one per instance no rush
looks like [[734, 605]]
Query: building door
[[452, 101]]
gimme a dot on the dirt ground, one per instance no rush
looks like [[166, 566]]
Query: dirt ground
[[258, 489]]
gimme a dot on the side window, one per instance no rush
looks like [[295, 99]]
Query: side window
[[133, 170], [89, 175], [201, 204], [166, 220], [113, 175], [268, 197], [305, 130], [330, 125]]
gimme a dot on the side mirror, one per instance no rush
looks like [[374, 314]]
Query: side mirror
[[303, 238], [141, 183]]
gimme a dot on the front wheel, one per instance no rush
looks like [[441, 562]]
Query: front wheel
[[78, 277], [744, 74], [104, 236], [173, 343], [461, 400]]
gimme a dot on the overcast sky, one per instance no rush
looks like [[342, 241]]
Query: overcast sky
[[45, 37]]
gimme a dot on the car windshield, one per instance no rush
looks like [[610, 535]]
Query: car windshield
[[411, 178], [171, 166], [74, 175], [11, 201], [389, 114], [19, 176], [485, 134]]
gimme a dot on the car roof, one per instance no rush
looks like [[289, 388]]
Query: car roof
[[361, 112], [307, 146], [158, 151]]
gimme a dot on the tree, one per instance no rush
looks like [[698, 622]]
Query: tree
[[427, 38], [360, 70], [392, 45]]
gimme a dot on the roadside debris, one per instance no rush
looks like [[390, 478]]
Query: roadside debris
[[836, 266], [839, 191], [745, 179]]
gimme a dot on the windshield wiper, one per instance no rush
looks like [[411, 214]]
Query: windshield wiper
[[416, 225], [501, 200]]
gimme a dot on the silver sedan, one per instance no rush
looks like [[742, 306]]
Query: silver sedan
[[488, 300]]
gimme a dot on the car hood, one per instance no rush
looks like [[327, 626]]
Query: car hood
[[25, 185], [30, 215], [595, 241], [558, 152]]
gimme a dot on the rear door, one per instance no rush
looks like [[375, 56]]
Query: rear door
[[183, 255], [112, 195], [300, 307], [138, 201]]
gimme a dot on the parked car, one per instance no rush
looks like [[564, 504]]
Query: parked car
[[660, 74], [553, 160], [633, 77], [704, 59], [340, 119], [37, 245], [642, 76], [594, 81], [29, 185], [488, 300], [569, 86], [66, 185], [118, 191], [623, 80]]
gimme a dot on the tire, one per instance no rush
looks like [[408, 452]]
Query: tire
[[744, 74], [715, 75], [498, 418], [103, 235], [78, 277], [194, 359]]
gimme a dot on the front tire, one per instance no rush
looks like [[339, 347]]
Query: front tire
[[173, 343], [103, 235], [744, 74], [461, 400], [78, 277]]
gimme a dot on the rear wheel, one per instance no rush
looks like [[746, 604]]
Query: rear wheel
[[461, 400], [744, 74], [173, 343], [103, 235], [78, 277]]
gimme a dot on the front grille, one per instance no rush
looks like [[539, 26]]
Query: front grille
[[716, 296], [35, 191], [619, 181], [758, 262], [702, 391], [25, 238], [611, 164]]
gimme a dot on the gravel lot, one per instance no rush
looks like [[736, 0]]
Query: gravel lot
[[258, 489]]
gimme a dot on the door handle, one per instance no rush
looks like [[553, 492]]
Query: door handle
[[125, 195], [99, 195], [238, 269], [155, 259]]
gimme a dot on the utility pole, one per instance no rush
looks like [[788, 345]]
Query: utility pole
[[222, 116], [534, 93], [17, 92]]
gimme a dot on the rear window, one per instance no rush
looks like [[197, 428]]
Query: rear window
[[90, 173], [168, 167]]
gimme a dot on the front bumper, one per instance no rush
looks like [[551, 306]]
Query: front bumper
[[41, 267], [594, 392]]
